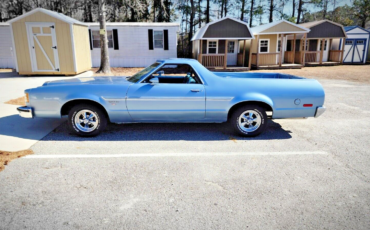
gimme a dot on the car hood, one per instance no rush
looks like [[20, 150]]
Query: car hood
[[89, 81]]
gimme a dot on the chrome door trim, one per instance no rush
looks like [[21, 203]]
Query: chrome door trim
[[167, 98], [219, 98], [114, 99]]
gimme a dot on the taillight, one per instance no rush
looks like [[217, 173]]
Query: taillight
[[307, 105]]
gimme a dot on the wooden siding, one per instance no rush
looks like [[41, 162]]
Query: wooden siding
[[82, 48], [63, 37], [282, 28], [272, 43]]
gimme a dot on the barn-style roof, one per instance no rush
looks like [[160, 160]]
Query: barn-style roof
[[57, 15], [224, 28], [325, 29]]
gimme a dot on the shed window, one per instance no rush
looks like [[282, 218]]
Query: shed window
[[96, 38], [349, 42], [264, 46], [231, 47], [158, 39], [360, 42], [326, 43], [279, 46], [212, 47]]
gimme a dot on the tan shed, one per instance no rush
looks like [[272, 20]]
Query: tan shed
[[47, 42]]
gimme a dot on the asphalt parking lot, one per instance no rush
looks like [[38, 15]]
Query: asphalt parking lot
[[299, 174]]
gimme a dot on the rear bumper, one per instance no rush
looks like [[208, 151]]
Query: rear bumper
[[319, 111], [26, 112]]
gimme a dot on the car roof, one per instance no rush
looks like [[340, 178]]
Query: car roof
[[178, 60]]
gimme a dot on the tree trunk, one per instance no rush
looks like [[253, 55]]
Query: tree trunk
[[299, 11], [199, 14], [325, 9], [293, 12], [207, 12], [190, 46], [225, 7], [104, 55], [251, 14], [271, 10], [242, 11], [222, 8]]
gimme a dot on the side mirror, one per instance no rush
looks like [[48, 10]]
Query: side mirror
[[154, 80]]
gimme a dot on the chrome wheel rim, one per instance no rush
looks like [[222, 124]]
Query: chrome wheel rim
[[86, 120], [249, 121]]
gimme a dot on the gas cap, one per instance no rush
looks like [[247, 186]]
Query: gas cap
[[297, 101]]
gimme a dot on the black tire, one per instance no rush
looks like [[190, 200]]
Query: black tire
[[99, 117], [257, 111]]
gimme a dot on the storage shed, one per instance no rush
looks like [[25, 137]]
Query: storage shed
[[273, 49], [356, 45], [221, 44], [319, 49], [47, 42]]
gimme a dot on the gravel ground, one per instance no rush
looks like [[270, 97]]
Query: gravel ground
[[299, 174]]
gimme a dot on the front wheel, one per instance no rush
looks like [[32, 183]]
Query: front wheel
[[86, 120], [249, 120]]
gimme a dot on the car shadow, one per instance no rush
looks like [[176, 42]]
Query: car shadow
[[34, 129], [168, 132]]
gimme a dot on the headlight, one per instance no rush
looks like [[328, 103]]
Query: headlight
[[27, 98]]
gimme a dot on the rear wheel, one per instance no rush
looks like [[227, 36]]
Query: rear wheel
[[86, 120], [248, 120]]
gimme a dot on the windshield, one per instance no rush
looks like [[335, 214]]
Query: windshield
[[135, 78]]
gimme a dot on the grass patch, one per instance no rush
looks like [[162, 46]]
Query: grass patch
[[6, 157], [18, 101]]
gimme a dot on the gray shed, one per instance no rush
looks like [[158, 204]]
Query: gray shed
[[221, 43], [319, 48]]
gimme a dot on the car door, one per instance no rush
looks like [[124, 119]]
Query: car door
[[166, 102]]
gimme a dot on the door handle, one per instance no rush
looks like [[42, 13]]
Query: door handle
[[195, 90]]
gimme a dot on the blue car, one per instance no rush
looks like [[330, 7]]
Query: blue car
[[176, 90]]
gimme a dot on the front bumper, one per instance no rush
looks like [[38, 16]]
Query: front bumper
[[26, 112], [319, 111]]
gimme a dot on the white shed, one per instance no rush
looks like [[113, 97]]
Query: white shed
[[135, 44], [356, 45], [7, 58]]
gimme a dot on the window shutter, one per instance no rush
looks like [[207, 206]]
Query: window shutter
[[150, 39], [115, 39], [91, 47], [165, 35]]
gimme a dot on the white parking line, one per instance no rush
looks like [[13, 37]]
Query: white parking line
[[206, 154]]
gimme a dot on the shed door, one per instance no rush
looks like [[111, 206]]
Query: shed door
[[354, 50], [43, 47], [232, 53]]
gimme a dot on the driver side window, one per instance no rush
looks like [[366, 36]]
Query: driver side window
[[175, 74]]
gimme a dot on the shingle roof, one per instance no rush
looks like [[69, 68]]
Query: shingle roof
[[258, 29]]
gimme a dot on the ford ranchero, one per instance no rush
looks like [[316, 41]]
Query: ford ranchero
[[176, 90]]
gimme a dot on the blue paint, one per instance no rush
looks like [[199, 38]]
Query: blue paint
[[137, 100]]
